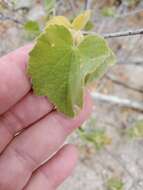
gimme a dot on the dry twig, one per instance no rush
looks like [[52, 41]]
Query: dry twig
[[4, 18], [128, 14], [88, 4], [124, 33], [116, 81], [73, 7], [119, 101], [119, 34]]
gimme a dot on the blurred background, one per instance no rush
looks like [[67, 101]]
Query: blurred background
[[111, 141]]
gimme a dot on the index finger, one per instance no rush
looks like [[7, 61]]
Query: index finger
[[14, 84]]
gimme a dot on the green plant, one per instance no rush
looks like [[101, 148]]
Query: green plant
[[49, 6], [64, 61], [136, 131], [97, 137], [115, 183], [89, 26], [32, 27], [108, 11], [132, 3]]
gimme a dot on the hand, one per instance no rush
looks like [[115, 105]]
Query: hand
[[31, 132]]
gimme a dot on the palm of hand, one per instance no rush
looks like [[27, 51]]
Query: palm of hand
[[41, 131]]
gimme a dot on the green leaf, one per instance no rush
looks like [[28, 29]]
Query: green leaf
[[81, 20], [115, 183], [59, 67], [49, 5], [96, 57], [97, 137], [89, 26], [136, 131], [108, 11], [59, 20], [14, 1], [132, 3], [32, 27], [54, 67], [102, 67]]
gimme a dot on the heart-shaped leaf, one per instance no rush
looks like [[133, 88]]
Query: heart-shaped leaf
[[60, 68]]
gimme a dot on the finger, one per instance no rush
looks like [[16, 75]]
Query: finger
[[30, 109], [13, 79], [35, 145], [55, 171]]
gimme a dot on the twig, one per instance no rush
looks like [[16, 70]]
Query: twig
[[128, 14], [119, 34], [119, 101], [132, 62], [88, 4], [72, 5], [114, 80], [26, 9], [124, 33], [3, 18]]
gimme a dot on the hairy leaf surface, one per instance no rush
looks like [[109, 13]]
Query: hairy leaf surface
[[59, 20], [80, 21], [60, 69]]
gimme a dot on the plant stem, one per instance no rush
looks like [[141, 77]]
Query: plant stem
[[118, 82], [118, 101], [124, 33], [119, 34], [88, 4], [3, 18]]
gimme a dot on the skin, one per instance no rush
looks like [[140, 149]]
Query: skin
[[32, 133]]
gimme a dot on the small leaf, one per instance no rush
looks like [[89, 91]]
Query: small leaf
[[115, 184], [14, 2], [108, 11], [102, 67], [59, 20], [80, 21], [89, 26], [32, 27], [49, 4], [97, 137], [96, 57], [136, 131], [132, 3]]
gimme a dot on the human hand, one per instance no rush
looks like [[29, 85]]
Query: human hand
[[31, 131]]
